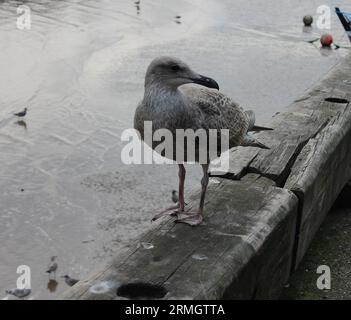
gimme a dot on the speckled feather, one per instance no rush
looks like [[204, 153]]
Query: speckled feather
[[188, 106], [214, 110]]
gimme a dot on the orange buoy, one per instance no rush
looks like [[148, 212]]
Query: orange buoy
[[326, 40]]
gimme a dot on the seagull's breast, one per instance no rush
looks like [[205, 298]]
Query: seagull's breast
[[164, 110]]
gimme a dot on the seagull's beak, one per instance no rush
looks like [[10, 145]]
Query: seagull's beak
[[205, 81]]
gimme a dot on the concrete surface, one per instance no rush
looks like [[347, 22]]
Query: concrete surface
[[331, 246]]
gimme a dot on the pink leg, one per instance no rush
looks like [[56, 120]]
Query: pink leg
[[179, 207], [181, 174], [196, 218]]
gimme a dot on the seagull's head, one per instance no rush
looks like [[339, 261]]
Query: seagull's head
[[172, 73]]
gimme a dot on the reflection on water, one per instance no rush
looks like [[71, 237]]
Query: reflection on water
[[307, 29], [326, 51], [21, 123], [80, 68], [52, 285]]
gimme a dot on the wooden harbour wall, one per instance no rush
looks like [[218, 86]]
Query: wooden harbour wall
[[258, 228]]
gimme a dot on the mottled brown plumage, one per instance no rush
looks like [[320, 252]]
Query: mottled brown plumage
[[213, 110], [176, 97]]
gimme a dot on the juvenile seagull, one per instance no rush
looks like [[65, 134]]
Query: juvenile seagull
[[22, 113], [19, 293], [176, 97], [52, 266]]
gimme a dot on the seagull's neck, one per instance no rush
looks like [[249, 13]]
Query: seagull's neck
[[160, 95]]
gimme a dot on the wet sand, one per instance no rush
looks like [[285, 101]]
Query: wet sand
[[80, 69]]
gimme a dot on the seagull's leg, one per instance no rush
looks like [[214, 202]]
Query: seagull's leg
[[179, 207], [196, 218], [181, 174]]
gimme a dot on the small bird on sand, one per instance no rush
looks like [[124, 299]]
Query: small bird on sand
[[176, 97], [22, 113], [70, 281], [177, 19], [19, 293], [52, 266]]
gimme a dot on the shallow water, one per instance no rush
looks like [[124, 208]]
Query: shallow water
[[80, 69]]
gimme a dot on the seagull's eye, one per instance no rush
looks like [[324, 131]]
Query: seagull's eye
[[175, 68]]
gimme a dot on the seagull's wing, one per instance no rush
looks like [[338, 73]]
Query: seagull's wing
[[215, 110]]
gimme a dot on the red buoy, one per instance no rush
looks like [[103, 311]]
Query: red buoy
[[326, 40]]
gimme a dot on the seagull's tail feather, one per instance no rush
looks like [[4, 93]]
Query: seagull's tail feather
[[250, 115], [260, 128]]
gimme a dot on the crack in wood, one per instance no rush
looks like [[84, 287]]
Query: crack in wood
[[287, 170]]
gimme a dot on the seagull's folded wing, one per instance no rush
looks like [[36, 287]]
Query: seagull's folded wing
[[216, 110]]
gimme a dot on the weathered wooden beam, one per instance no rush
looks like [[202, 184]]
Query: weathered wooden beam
[[292, 129], [249, 231], [319, 174], [310, 148], [310, 151], [301, 121]]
